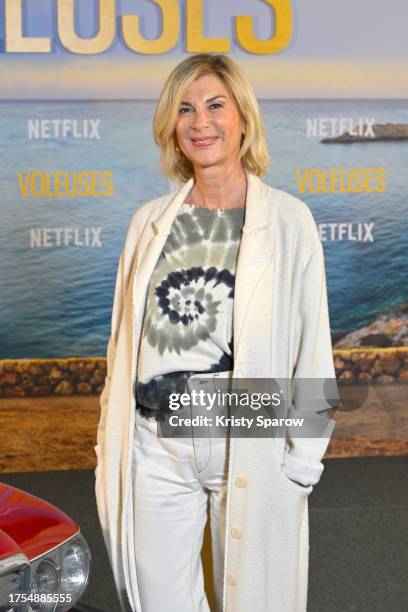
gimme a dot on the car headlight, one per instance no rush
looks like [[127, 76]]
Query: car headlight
[[14, 580], [45, 582], [75, 567], [60, 577]]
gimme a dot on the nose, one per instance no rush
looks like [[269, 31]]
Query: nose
[[199, 119]]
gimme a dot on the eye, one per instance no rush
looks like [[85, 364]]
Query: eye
[[216, 104], [184, 108]]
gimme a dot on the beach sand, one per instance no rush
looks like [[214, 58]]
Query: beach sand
[[59, 433]]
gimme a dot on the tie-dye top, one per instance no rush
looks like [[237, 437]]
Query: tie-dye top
[[187, 324]]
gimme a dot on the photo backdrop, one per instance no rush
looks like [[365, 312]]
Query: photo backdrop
[[79, 84]]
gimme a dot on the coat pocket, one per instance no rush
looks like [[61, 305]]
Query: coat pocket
[[302, 489], [292, 483]]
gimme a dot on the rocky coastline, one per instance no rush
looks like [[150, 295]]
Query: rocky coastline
[[381, 131], [67, 377], [389, 329]]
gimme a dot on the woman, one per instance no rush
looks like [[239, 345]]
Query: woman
[[221, 278]]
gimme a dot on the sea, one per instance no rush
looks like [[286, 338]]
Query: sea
[[56, 302]]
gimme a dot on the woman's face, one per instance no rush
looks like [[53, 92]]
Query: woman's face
[[209, 126]]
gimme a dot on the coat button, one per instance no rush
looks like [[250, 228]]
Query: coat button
[[231, 579], [241, 482], [235, 532]]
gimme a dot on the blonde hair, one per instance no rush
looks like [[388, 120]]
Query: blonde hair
[[253, 153]]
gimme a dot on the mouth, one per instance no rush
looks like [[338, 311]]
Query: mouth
[[204, 142]]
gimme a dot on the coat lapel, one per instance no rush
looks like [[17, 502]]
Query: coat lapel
[[152, 242], [254, 254]]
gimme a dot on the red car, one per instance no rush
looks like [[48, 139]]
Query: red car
[[44, 559]]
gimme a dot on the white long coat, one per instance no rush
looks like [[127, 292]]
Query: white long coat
[[281, 330]]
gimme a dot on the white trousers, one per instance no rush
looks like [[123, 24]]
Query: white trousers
[[174, 482]]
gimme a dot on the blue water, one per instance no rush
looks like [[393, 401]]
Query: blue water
[[56, 302]]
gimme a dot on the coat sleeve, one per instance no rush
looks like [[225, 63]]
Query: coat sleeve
[[313, 386], [127, 259], [117, 308]]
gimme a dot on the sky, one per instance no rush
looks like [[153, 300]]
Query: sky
[[348, 49]]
